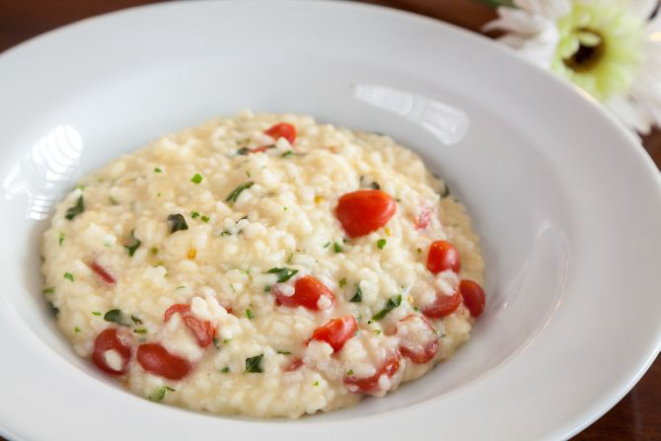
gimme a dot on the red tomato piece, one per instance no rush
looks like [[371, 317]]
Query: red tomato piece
[[422, 221], [177, 307], [364, 211], [294, 365], [101, 272], [443, 256], [421, 345], [474, 297], [371, 384], [108, 340], [336, 332], [443, 305], [307, 292], [282, 130], [202, 330], [155, 359]]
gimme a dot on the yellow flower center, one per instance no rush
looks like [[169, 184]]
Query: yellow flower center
[[600, 47]]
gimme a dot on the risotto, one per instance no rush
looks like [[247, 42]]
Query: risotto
[[264, 265]]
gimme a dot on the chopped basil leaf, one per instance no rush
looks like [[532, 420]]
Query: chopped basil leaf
[[61, 239], [68, 276], [160, 393], [392, 303], [134, 246], [116, 316], [343, 282], [53, 309], [205, 218], [267, 288], [158, 170], [350, 372], [76, 209], [446, 191], [225, 370], [283, 274], [76, 329], [216, 342], [381, 243], [140, 331], [136, 320], [286, 154], [154, 250], [196, 179], [97, 313], [234, 195], [254, 364], [48, 290], [249, 314], [375, 186], [284, 352], [358, 296], [178, 223], [194, 214], [337, 247]]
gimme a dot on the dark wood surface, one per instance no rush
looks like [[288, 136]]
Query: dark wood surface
[[636, 417]]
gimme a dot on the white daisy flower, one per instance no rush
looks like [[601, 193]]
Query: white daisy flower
[[609, 48]]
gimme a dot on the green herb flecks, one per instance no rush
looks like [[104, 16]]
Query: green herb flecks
[[69, 277], [205, 219], [343, 282], [350, 372], [234, 195], [116, 316], [287, 153], [225, 233], [76, 209], [197, 178], [327, 244], [358, 296], [178, 223], [76, 329], [96, 313], [283, 274], [157, 170], [225, 370], [48, 290], [243, 151], [194, 214], [159, 394], [284, 352], [134, 245], [154, 250], [136, 320], [254, 364], [250, 314], [337, 247], [392, 303], [140, 331], [216, 342], [381, 243], [61, 239]]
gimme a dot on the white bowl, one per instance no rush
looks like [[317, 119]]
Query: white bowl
[[566, 202]]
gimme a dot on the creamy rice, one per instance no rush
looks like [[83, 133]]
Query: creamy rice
[[118, 251]]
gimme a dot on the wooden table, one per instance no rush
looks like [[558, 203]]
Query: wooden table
[[636, 417]]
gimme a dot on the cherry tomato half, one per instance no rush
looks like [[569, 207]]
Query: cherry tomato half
[[418, 339], [371, 384], [202, 330], [155, 359], [336, 332], [364, 211], [108, 340], [474, 297], [307, 292], [443, 256], [282, 130], [443, 305]]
